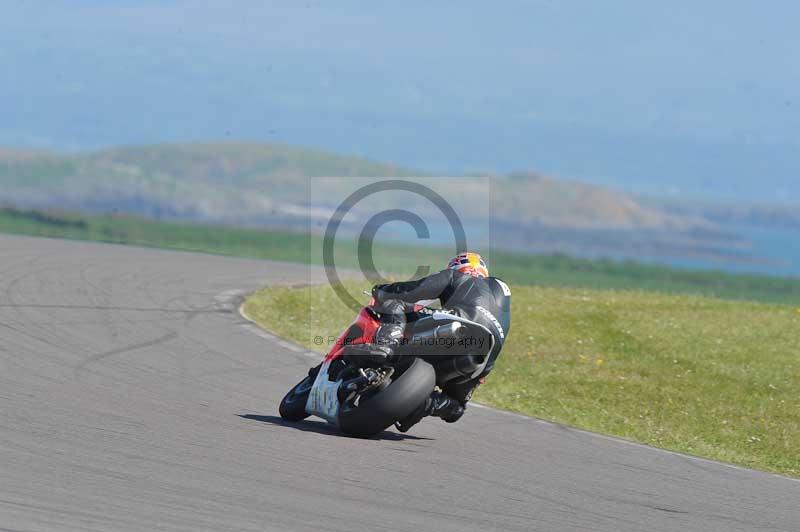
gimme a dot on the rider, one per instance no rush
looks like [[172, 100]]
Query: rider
[[465, 290]]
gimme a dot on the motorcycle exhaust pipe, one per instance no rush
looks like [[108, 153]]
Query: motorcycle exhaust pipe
[[448, 330], [456, 367]]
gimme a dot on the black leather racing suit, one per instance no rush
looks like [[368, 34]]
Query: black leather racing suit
[[486, 301]]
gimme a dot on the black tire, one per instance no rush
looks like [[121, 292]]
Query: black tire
[[293, 405], [394, 403]]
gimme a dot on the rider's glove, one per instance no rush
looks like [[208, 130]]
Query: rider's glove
[[379, 294]]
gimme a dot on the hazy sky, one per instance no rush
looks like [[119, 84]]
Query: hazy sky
[[691, 98]]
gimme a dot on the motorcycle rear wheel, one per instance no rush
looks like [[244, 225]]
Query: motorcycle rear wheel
[[397, 401]]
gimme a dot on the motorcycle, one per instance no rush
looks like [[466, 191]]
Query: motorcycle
[[364, 396]]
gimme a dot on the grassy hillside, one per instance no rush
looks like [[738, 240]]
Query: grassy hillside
[[245, 182], [701, 375], [237, 164], [242, 164], [542, 270], [281, 187]]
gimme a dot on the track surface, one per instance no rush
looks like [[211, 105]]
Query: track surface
[[125, 374]]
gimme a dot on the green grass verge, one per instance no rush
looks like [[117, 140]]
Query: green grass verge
[[557, 270], [705, 376]]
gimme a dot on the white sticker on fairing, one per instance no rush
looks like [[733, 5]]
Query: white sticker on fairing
[[323, 399], [504, 287]]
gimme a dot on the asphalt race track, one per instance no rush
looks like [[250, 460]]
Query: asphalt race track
[[134, 397]]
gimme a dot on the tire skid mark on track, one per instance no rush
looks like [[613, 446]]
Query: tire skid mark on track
[[115, 308], [127, 349]]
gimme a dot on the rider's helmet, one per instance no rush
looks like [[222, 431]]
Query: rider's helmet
[[469, 263]]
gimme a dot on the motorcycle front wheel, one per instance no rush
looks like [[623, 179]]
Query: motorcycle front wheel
[[293, 405]]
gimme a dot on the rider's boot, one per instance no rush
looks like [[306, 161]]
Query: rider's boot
[[446, 408], [438, 405]]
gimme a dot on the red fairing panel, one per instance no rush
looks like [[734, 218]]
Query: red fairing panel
[[367, 322]]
